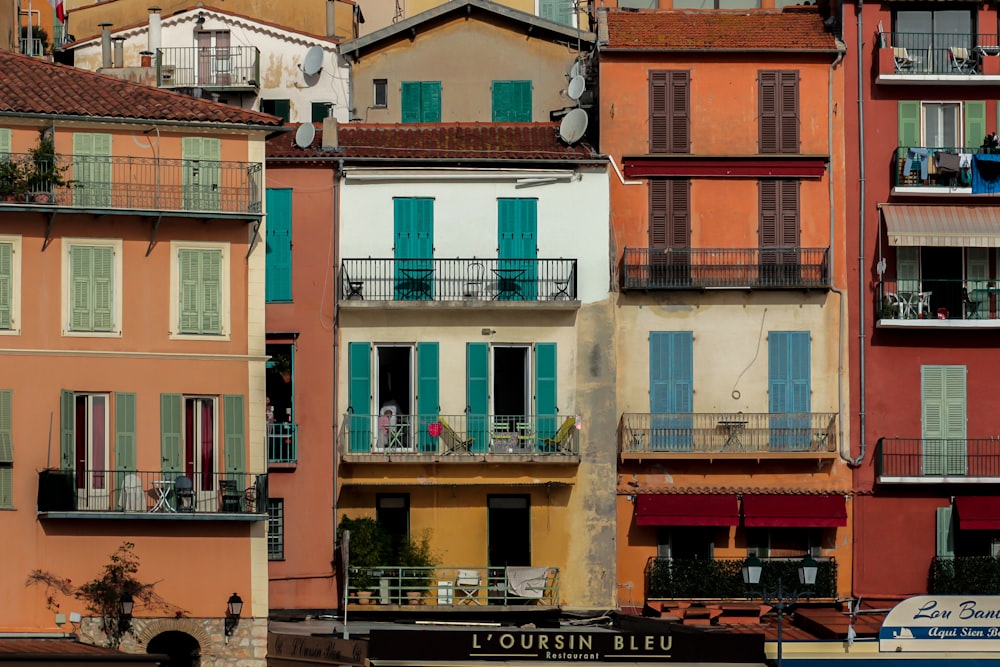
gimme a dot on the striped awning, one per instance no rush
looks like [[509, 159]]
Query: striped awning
[[943, 226]]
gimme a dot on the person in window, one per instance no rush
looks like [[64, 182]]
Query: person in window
[[384, 424]]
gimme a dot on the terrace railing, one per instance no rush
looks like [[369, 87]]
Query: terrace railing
[[935, 53], [215, 67], [679, 578], [938, 299], [452, 586], [282, 442], [931, 459], [700, 268]]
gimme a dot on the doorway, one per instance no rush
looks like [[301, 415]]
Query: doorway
[[941, 275], [509, 526], [394, 392], [511, 373], [182, 648]]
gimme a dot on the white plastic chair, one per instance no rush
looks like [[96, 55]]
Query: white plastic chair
[[467, 587]]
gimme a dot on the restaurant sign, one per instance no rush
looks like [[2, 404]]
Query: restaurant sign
[[322, 650], [566, 646], [942, 623]]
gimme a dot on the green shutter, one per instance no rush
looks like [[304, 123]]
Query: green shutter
[[477, 393], [201, 174], [92, 169], [81, 263], [501, 101], [430, 102], [103, 301], [283, 109], [517, 234], [171, 433], [124, 439], [319, 112], [6, 285], [945, 533], [975, 122], [359, 392], [977, 268], [6, 487], [278, 252], [428, 392], [189, 268], [67, 429], [546, 390], [943, 398], [6, 450], [907, 269], [234, 437], [410, 106], [511, 101], [5, 135], [200, 308], [909, 123], [560, 11], [955, 420], [210, 302]]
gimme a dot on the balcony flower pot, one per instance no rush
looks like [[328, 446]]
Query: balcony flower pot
[[43, 174], [13, 183], [368, 549], [417, 562], [365, 597]]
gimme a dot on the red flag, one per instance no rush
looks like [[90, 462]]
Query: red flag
[[60, 10]]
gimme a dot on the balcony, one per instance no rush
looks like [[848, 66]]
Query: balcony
[[472, 281], [938, 303], [938, 461], [676, 578], [455, 588], [282, 443], [936, 170], [734, 268], [460, 438], [217, 68], [151, 495], [125, 185], [969, 575], [719, 435], [938, 59]]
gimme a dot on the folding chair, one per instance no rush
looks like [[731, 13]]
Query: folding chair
[[453, 441], [230, 495], [904, 63], [561, 438], [962, 60], [467, 586]]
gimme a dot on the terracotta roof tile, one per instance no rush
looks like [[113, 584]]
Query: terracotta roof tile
[[29, 85], [798, 29], [453, 141]]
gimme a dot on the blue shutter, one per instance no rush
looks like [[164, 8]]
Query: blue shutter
[[512, 101], [477, 392], [790, 389], [430, 102], [517, 229], [359, 396], [546, 390], [671, 389], [413, 225], [410, 105], [428, 393], [278, 281]]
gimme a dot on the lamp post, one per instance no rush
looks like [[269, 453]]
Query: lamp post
[[125, 606], [234, 607], [779, 599]]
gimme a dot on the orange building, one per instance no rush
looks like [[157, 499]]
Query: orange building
[[729, 256], [132, 356]]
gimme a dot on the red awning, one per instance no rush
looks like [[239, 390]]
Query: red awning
[[785, 511], [978, 512], [695, 510]]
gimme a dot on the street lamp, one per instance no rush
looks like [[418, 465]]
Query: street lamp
[[125, 606], [779, 599], [234, 606]]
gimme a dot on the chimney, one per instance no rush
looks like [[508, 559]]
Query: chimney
[[146, 58], [153, 35], [105, 45], [119, 51], [330, 133], [331, 18]]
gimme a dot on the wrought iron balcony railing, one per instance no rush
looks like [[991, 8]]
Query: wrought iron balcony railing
[[210, 67], [282, 442], [701, 433], [505, 436], [929, 460], [938, 53], [679, 578], [144, 493], [938, 299], [460, 279], [965, 575], [131, 183], [701, 268], [453, 586]]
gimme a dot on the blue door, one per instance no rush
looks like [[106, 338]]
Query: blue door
[[671, 390], [517, 268], [414, 248], [789, 389]]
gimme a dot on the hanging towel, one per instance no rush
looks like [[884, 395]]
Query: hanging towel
[[985, 174]]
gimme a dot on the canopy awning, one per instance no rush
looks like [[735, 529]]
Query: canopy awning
[[687, 510], [943, 226], [978, 512], [787, 511]]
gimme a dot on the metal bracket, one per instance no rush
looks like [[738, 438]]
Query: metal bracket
[[152, 234], [48, 231], [255, 237]]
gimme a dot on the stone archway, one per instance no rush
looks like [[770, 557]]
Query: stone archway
[[183, 649]]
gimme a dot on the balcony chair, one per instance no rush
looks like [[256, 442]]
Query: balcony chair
[[453, 442], [904, 63], [184, 492], [962, 60], [474, 287], [229, 496], [132, 498], [502, 436], [561, 438], [467, 586]]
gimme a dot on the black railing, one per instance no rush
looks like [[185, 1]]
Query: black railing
[[460, 279], [925, 53], [938, 299], [219, 67], [125, 182], [727, 432], [938, 457], [143, 492], [945, 167], [699, 268], [967, 575], [678, 578]]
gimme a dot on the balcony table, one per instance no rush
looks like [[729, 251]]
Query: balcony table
[[733, 428], [416, 283], [509, 283], [163, 489]]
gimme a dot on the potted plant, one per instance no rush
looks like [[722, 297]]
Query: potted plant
[[281, 364], [13, 179], [43, 174], [417, 562], [368, 549]]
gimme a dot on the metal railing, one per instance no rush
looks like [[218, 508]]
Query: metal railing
[[219, 67], [938, 299], [934, 166], [125, 182], [461, 435], [453, 586], [143, 492], [698, 268], [964, 575], [282, 442], [460, 279], [915, 458], [678, 578], [726, 432], [932, 53]]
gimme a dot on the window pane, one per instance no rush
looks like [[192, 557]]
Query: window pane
[[694, 4], [953, 22], [739, 4], [913, 22], [638, 4], [932, 125]]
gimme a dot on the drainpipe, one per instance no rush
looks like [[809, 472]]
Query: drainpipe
[[106, 61], [861, 236], [337, 171]]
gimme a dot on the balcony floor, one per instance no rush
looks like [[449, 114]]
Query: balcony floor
[[154, 516]]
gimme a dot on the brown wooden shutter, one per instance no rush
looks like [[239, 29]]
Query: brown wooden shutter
[[680, 213], [768, 230], [767, 112], [680, 141], [659, 112], [788, 214], [788, 118], [658, 213]]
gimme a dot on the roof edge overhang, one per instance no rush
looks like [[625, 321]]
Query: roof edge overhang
[[417, 163], [143, 121], [710, 51]]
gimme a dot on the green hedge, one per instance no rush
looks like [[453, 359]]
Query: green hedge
[[973, 575], [675, 578]]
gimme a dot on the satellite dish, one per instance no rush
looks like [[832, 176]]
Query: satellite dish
[[304, 135], [576, 70], [313, 62], [573, 125], [576, 87]]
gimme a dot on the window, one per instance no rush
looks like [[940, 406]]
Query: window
[[85, 436], [91, 169], [276, 529], [199, 303], [92, 273], [560, 11], [778, 111], [6, 450], [686, 543], [669, 106], [392, 514], [941, 124], [280, 108], [671, 390], [932, 33], [638, 4], [512, 101], [943, 416], [214, 58], [716, 4], [421, 102], [784, 542], [10, 284], [5, 135], [381, 93], [202, 175], [778, 233], [321, 110], [669, 214], [278, 253]]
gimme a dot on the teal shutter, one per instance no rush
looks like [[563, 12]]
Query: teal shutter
[[124, 440], [789, 390], [428, 392], [359, 392], [943, 416], [171, 434], [546, 390], [410, 106], [67, 430], [6, 450], [517, 268], [477, 393], [201, 177], [512, 101], [430, 102], [975, 123], [92, 169], [413, 250], [945, 533], [6, 285], [278, 263], [909, 123], [234, 438], [671, 390]]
